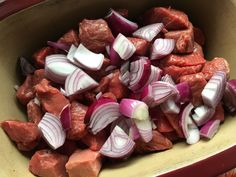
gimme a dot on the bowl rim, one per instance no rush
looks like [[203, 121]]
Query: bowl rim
[[213, 165], [9, 7]]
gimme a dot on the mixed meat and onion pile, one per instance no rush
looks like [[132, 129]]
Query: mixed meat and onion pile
[[115, 88]]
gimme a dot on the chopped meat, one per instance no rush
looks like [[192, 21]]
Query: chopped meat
[[25, 134], [141, 45], [171, 18], [176, 72], [192, 59], [219, 113], [116, 87], [85, 163], [172, 136], [78, 127], [217, 64], [174, 122], [160, 120], [197, 83], [38, 76], [89, 97], [71, 37], [46, 163], [163, 124], [34, 112], [68, 148], [95, 142], [158, 143], [184, 39], [123, 12], [199, 36], [25, 93], [95, 34], [52, 100], [109, 95], [103, 85], [40, 55]]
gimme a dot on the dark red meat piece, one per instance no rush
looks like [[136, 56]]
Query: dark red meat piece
[[25, 134], [171, 18], [197, 83], [95, 34]]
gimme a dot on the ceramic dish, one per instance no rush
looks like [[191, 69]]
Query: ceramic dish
[[27, 30]]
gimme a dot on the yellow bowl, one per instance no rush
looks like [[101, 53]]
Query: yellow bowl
[[24, 32]]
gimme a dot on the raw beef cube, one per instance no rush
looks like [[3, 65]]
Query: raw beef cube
[[46, 163], [217, 64], [176, 71], [174, 122], [95, 142], [40, 55], [184, 39], [85, 163], [25, 134], [71, 37], [34, 112], [171, 18], [78, 127], [141, 45], [52, 100], [158, 143], [197, 83], [192, 59], [219, 113], [95, 34], [25, 92]]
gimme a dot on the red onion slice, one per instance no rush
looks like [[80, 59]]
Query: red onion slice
[[104, 111], [123, 47], [155, 75], [229, 97], [149, 32], [161, 48], [144, 129], [140, 71], [170, 107], [194, 136], [214, 89], [108, 49], [78, 82], [202, 114], [65, 117], [125, 78], [70, 55], [26, 67], [134, 109], [133, 131], [168, 78], [110, 68], [162, 91], [210, 129], [184, 120], [57, 68], [184, 92], [88, 59], [60, 46], [52, 130], [147, 96], [119, 24], [118, 144], [123, 123]]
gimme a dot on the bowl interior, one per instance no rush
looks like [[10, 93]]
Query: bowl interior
[[24, 32]]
